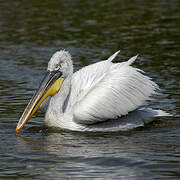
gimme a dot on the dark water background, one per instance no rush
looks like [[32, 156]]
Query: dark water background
[[31, 31]]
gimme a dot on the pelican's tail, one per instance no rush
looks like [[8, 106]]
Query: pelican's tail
[[148, 113]]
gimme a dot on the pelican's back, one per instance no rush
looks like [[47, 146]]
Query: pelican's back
[[107, 90]]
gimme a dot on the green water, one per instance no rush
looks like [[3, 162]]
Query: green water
[[31, 31]]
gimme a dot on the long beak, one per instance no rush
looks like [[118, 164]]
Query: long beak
[[50, 85]]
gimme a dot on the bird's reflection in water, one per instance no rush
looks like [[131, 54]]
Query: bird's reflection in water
[[80, 153]]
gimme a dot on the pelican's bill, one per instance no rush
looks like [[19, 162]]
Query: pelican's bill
[[50, 85]]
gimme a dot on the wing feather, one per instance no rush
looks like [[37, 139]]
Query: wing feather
[[106, 90]]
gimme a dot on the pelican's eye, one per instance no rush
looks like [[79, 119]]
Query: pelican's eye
[[57, 67]]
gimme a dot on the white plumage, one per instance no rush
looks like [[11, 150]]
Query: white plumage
[[104, 96]]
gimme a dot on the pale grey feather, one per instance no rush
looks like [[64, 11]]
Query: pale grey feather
[[113, 90]]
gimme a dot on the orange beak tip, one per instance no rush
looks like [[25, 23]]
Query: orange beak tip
[[17, 130]]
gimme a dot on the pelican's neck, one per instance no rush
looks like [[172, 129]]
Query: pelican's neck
[[57, 104], [58, 101]]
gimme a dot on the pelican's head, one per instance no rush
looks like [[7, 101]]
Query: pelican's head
[[59, 67], [61, 61]]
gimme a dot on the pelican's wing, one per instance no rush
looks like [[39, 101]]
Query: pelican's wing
[[106, 90]]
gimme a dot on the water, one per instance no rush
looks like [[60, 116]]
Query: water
[[31, 31]]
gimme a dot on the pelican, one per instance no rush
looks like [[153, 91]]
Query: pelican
[[103, 96]]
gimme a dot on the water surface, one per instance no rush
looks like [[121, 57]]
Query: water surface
[[31, 31]]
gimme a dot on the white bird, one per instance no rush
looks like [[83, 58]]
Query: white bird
[[104, 96]]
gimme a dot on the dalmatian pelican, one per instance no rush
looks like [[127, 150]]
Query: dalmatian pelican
[[103, 96]]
